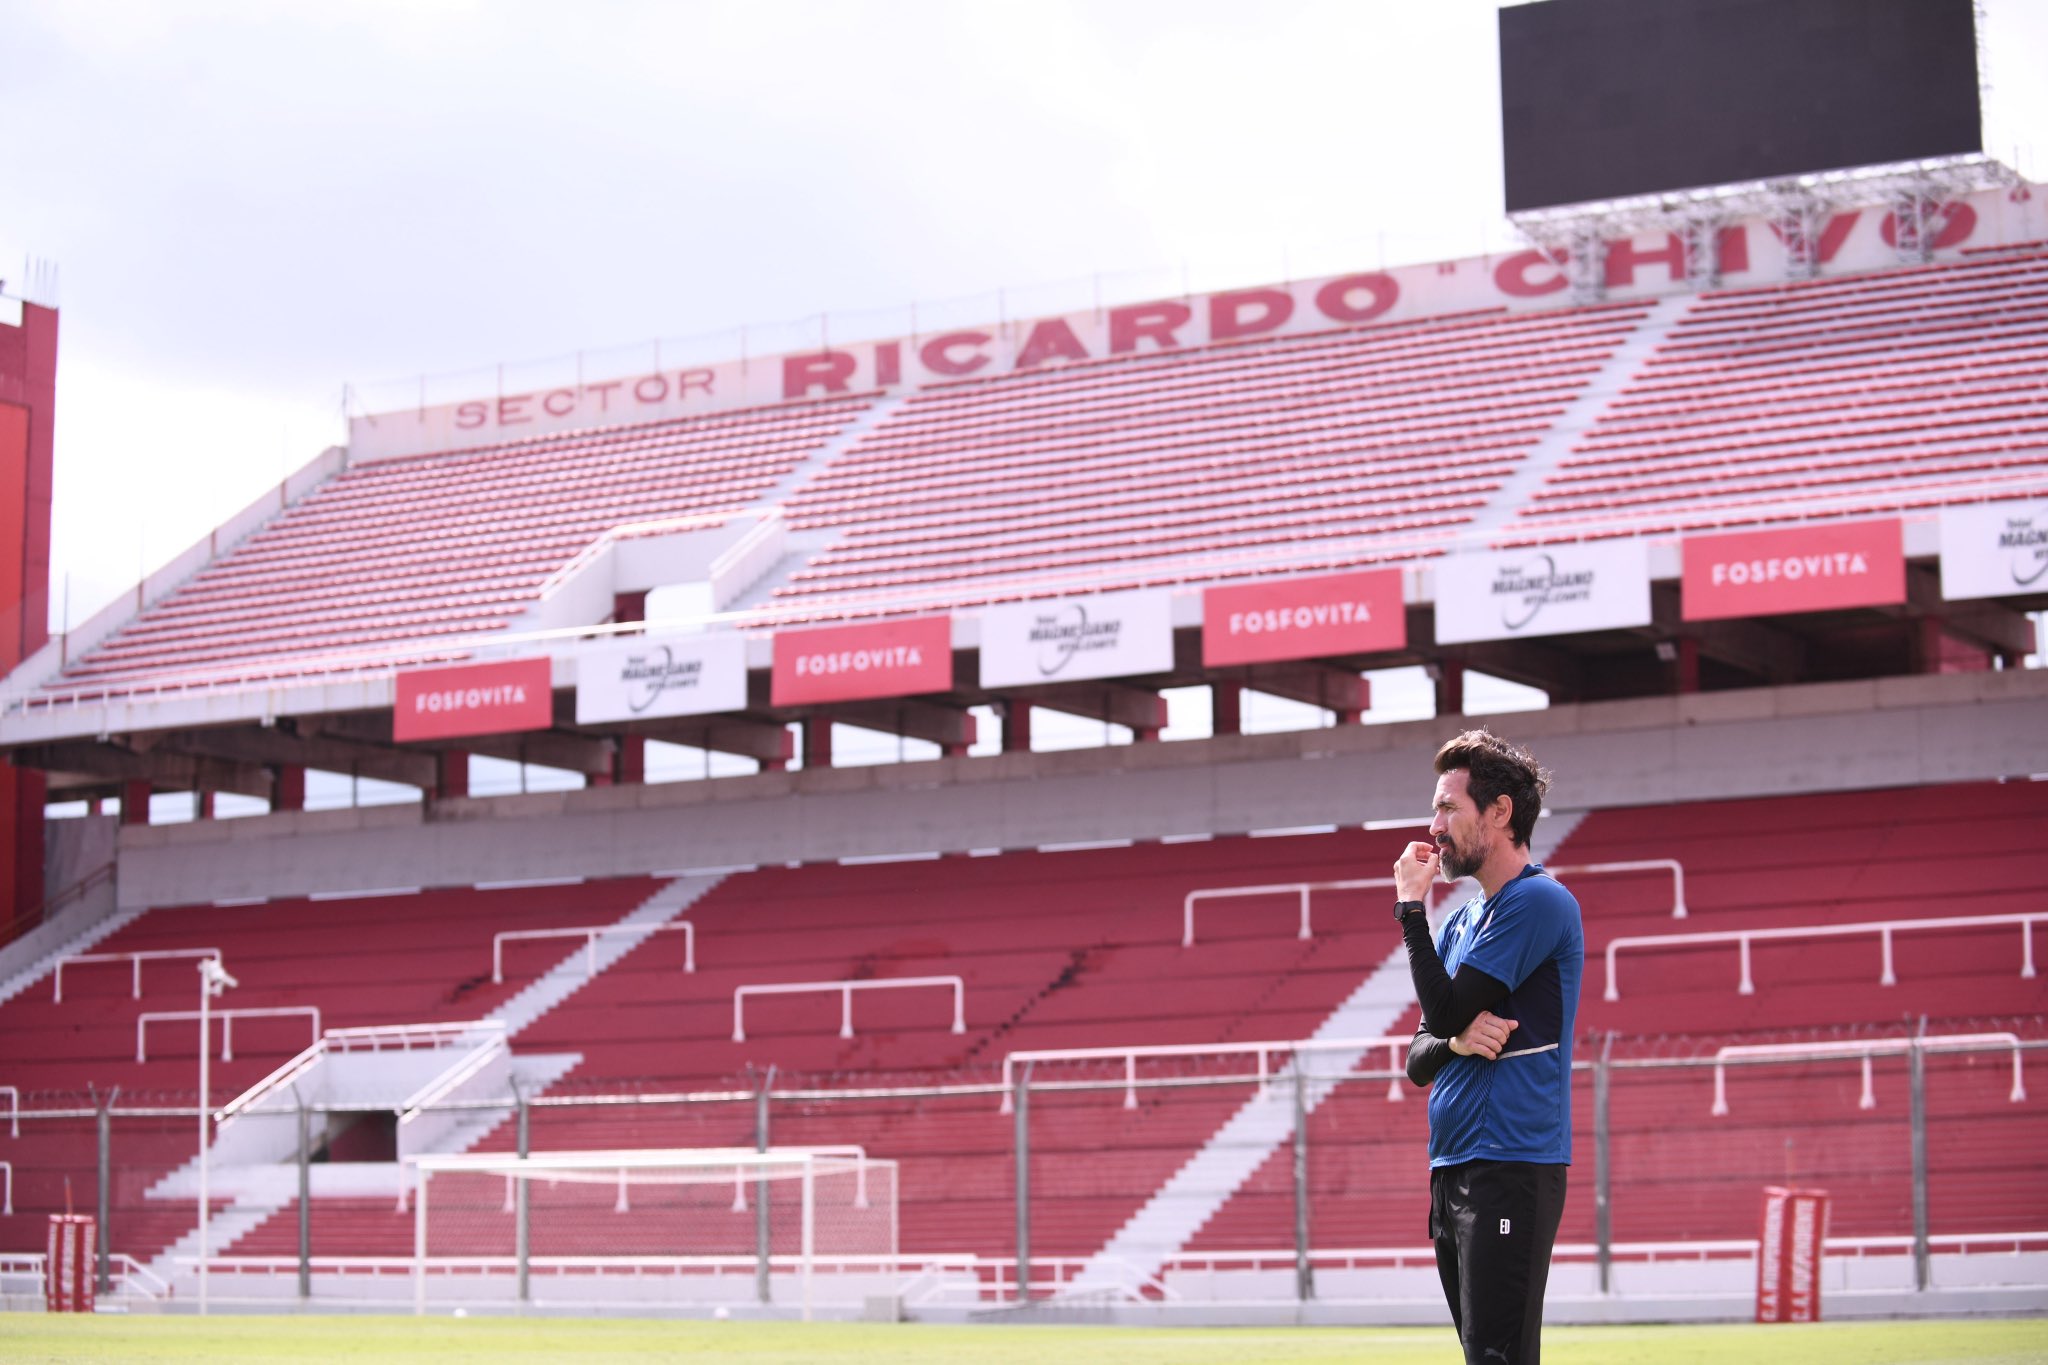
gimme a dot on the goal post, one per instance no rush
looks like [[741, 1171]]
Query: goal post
[[628, 1225]]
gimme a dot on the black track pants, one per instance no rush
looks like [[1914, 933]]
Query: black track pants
[[1494, 1223]]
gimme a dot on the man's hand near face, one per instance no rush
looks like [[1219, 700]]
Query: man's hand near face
[[1415, 871]]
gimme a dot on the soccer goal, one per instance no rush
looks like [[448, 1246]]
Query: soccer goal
[[676, 1226]]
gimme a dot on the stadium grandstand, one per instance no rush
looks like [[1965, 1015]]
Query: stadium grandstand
[[1106, 1028]]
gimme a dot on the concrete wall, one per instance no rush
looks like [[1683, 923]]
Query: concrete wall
[[1827, 737]]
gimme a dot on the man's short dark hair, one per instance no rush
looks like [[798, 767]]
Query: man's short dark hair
[[1496, 768]]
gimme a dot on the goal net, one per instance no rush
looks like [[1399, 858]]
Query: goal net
[[686, 1226]]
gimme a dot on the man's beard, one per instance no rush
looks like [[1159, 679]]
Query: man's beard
[[1459, 862]]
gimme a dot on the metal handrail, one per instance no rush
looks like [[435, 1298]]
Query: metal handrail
[[136, 958], [1671, 865], [7, 1207], [1883, 928], [13, 1110], [227, 1023], [846, 990], [1306, 889], [32, 919], [1395, 1045], [591, 932], [1866, 1049], [339, 1040], [478, 1058]]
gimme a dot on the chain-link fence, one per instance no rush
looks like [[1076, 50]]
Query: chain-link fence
[[1214, 1180]]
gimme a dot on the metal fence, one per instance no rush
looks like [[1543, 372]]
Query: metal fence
[[1176, 1182]]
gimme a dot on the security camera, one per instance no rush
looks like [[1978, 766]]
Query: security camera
[[215, 976]]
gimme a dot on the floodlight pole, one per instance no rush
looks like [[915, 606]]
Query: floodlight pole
[[205, 1035], [213, 979]]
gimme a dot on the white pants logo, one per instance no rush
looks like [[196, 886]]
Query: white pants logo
[[1503, 1227]]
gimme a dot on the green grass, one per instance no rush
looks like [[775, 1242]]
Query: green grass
[[505, 1341]]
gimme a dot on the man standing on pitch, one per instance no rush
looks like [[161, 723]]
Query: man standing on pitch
[[1500, 993]]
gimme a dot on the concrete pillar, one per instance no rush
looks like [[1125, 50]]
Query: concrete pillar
[[1450, 688], [1016, 719], [135, 802], [1226, 708], [202, 805], [452, 774], [288, 787], [818, 742], [629, 761]]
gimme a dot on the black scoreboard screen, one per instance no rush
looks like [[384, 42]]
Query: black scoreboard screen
[[1605, 99]]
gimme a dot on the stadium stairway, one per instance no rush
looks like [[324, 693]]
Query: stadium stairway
[[384, 960]]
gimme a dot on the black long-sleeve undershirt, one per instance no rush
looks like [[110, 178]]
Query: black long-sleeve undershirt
[[1449, 1003]]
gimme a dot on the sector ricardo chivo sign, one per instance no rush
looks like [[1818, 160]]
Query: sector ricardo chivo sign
[[473, 699], [687, 675], [1114, 635], [1821, 566], [1303, 618], [1542, 590], [855, 663]]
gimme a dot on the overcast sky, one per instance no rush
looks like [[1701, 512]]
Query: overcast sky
[[253, 204]]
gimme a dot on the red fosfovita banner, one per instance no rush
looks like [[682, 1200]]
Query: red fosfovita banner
[[1303, 618], [849, 663], [474, 699], [1817, 567]]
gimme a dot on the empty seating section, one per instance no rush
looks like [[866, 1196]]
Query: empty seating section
[[440, 547], [1067, 949], [384, 960], [1352, 446], [1681, 1173], [1082, 948], [1846, 858], [1909, 388]]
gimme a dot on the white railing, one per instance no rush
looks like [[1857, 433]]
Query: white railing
[[482, 1055], [1883, 928], [227, 1018], [846, 990], [13, 1110], [1396, 1045], [136, 1277], [1303, 891], [1866, 1049], [136, 959], [591, 933], [7, 1205], [1671, 865], [21, 1272], [372, 1037]]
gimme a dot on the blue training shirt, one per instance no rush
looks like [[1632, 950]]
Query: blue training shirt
[[1519, 1106]]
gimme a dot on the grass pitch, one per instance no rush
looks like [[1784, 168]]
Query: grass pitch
[[28, 1337]]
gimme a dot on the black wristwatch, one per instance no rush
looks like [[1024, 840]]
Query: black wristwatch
[[1402, 909]]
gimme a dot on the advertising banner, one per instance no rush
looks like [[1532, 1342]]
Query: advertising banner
[[1997, 550], [1114, 635], [1303, 618], [646, 677], [1545, 590], [874, 659], [1823, 566], [1788, 1262], [474, 699]]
